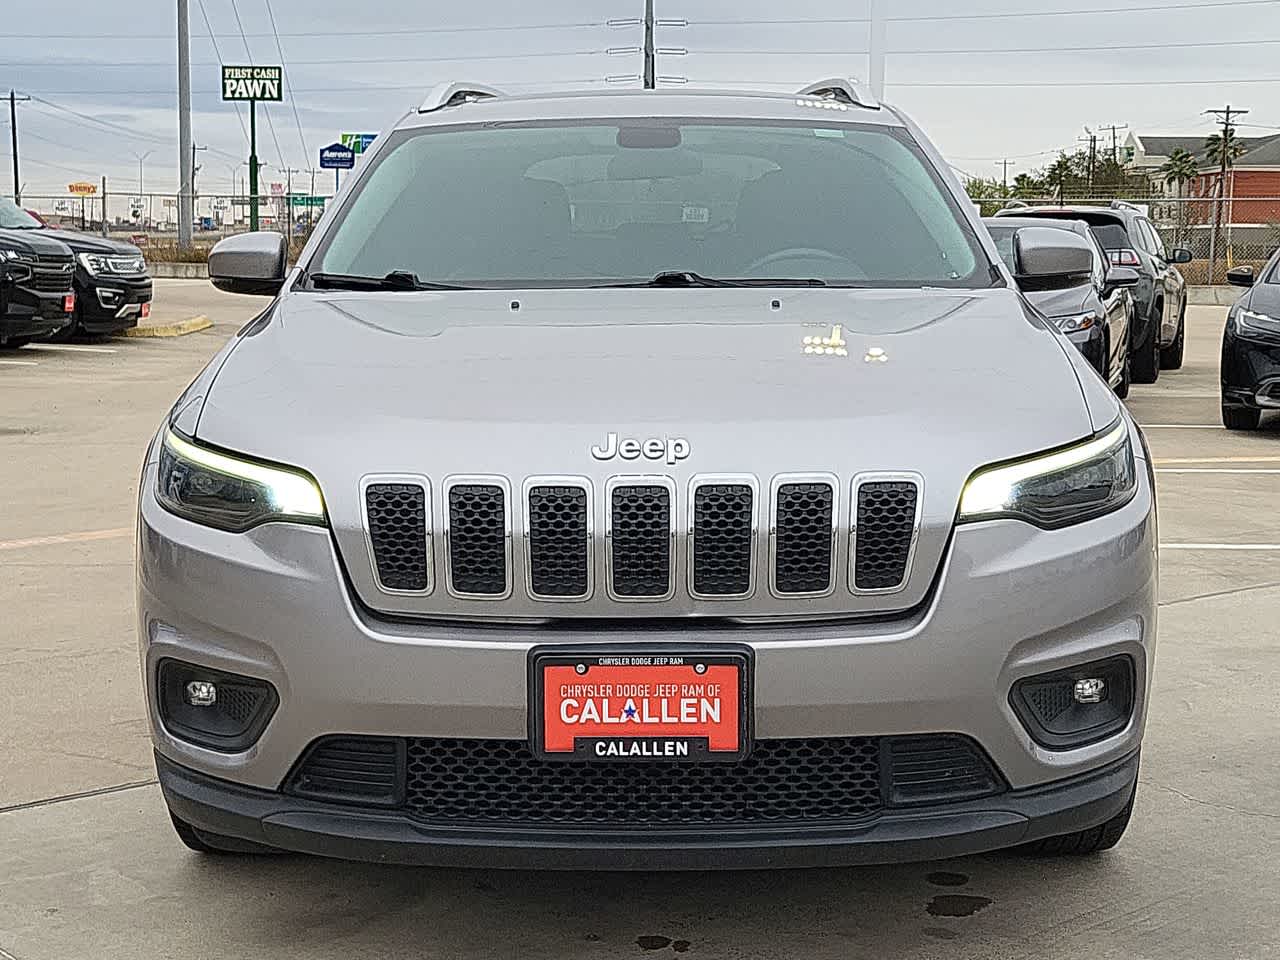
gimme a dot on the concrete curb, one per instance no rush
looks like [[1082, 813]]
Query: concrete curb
[[178, 329], [178, 271]]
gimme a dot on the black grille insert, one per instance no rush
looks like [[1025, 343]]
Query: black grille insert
[[397, 516], [478, 539], [559, 554], [722, 539], [46, 281], [804, 536], [500, 781], [365, 770], [641, 540], [932, 769], [884, 533]]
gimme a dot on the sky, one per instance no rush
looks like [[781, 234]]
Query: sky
[[987, 79]]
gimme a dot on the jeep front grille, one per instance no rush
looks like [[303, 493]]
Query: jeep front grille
[[723, 538]]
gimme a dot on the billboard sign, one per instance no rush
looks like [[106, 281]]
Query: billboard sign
[[252, 83], [359, 142], [336, 156], [82, 189]]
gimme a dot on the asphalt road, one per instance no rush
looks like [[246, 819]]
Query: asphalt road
[[89, 866]]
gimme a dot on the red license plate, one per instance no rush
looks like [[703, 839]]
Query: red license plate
[[648, 705], [145, 311], [69, 303]]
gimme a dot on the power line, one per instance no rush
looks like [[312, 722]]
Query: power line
[[502, 28], [284, 69], [280, 158], [539, 55], [105, 124], [218, 53], [1088, 11]]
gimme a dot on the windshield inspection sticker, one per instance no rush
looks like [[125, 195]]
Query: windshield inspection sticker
[[837, 134], [696, 215]]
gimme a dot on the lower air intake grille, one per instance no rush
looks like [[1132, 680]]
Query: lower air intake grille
[[722, 539], [804, 537], [640, 523], [478, 539], [886, 525], [364, 770], [397, 514], [500, 781], [934, 768], [559, 557]]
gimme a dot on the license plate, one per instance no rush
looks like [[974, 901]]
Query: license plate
[[640, 705], [69, 303], [145, 311]]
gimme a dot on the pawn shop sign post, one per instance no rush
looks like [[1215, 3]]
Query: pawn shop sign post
[[252, 84]]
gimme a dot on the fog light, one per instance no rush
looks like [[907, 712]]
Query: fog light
[[1091, 690], [202, 693], [212, 708]]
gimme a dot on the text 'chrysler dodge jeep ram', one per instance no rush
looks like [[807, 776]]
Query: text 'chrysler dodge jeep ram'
[[648, 479]]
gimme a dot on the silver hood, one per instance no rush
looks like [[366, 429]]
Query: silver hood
[[935, 382]]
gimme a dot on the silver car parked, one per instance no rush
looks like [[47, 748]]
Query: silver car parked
[[649, 479]]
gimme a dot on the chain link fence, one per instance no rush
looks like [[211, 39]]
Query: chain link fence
[[1247, 232]]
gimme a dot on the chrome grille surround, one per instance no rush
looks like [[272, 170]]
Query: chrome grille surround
[[582, 483], [406, 479], [714, 480], [644, 480], [854, 502], [486, 480], [775, 488]]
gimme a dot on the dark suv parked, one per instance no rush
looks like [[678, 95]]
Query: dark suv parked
[[112, 287], [1160, 296], [36, 296]]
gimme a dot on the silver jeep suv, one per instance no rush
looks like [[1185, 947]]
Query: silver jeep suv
[[648, 479]]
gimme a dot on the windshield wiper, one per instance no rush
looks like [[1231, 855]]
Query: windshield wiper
[[687, 278], [395, 280]]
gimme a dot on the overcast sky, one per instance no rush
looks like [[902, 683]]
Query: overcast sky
[[354, 66]]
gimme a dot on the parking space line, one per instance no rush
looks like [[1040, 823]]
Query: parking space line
[[1166, 461], [1242, 547], [1232, 470], [1182, 426], [19, 363], [71, 348], [84, 536]]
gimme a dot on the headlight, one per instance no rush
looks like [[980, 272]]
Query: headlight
[[1057, 489], [1260, 322], [226, 492], [97, 263], [1076, 322], [7, 255]]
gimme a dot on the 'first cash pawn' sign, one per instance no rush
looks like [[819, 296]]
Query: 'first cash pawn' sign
[[251, 83]]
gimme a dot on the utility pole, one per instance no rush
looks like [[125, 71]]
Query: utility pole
[[1114, 128], [875, 14], [1227, 131], [650, 58], [186, 158], [1092, 139], [195, 169], [14, 99], [288, 198], [1005, 177]]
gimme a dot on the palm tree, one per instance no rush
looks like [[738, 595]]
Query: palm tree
[[1179, 170], [1222, 147]]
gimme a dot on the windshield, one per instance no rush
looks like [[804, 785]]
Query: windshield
[[607, 202], [13, 217]]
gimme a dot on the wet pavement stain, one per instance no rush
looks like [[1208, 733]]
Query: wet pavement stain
[[956, 905], [681, 946], [653, 943], [943, 878], [940, 933]]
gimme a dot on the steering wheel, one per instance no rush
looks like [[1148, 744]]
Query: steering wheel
[[798, 253]]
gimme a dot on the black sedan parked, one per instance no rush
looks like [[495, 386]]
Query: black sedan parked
[[1251, 347], [1095, 312], [112, 287]]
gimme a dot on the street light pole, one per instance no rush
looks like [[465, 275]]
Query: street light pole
[[186, 159]]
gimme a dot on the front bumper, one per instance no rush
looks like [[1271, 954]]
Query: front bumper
[[1010, 602], [1092, 344], [31, 315], [109, 304], [286, 823], [1250, 368]]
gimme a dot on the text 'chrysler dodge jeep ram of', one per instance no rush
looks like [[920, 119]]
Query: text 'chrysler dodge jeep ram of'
[[648, 479]]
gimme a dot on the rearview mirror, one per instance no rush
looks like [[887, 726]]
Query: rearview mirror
[[1244, 276], [1179, 255], [252, 263], [1122, 277], [1050, 259]]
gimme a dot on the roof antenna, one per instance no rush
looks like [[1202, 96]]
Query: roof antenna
[[650, 67]]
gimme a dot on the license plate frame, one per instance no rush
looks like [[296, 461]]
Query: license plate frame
[[662, 664]]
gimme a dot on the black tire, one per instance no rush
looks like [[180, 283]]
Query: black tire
[[71, 330], [1084, 843], [1240, 418], [15, 343], [1145, 365], [1171, 356], [1122, 388], [212, 844]]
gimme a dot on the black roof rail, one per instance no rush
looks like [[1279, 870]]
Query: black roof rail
[[456, 93]]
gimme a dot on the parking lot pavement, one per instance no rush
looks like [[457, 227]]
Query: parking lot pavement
[[89, 865]]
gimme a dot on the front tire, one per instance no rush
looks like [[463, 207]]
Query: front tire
[[1146, 355], [15, 343], [70, 331], [213, 844], [1126, 375], [1172, 355], [1085, 843], [1240, 418]]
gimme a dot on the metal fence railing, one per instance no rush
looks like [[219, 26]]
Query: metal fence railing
[[1247, 229]]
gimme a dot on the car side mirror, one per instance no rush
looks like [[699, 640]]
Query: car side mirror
[[252, 263], [1180, 255], [1121, 277], [1244, 276], [1051, 259]]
